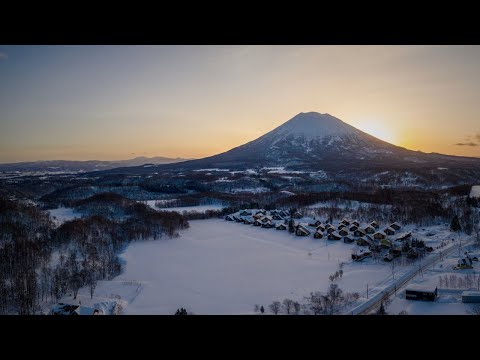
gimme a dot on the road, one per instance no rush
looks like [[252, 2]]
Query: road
[[375, 300]]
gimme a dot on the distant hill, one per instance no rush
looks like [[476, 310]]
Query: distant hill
[[57, 166]]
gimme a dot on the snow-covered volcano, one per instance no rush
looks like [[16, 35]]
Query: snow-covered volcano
[[308, 140]]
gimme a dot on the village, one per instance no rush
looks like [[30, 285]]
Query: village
[[389, 243]]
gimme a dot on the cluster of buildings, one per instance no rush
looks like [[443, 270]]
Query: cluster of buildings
[[348, 230]]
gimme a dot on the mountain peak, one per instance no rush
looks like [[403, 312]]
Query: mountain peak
[[314, 125]]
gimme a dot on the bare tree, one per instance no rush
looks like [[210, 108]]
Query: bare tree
[[316, 303], [288, 306], [296, 307], [256, 308], [275, 307]]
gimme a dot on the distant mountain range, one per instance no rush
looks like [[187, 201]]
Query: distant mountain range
[[55, 166]]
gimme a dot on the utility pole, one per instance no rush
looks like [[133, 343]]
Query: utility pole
[[367, 289]]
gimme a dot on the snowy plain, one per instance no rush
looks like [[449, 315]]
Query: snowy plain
[[219, 267]]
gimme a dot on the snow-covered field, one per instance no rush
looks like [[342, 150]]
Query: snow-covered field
[[222, 267], [219, 267], [60, 215], [475, 192]]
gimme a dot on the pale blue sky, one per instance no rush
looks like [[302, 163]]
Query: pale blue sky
[[117, 102]]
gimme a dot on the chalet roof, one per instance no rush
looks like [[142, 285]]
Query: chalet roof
[[69, 309], [421, 287], [380, 232], [302, 229], [319, 232], [389, 228]]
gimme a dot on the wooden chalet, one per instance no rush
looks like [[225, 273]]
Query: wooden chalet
[[343, 232], [404, 236], [318, 234], [341, 226], [353, 228], [369, 230], [321, 228], [301, 231], [374, 224], [315, 224], [277, 217], [348, 239], [389, 231], [257, 223], [356, 223], [334, 236], [330, 230], [345, 222], [358, 233], [395, 226], [281, 227], [268, 225], [297, 215], [229, 218], [379, 235], [362, 242], [245, 213]]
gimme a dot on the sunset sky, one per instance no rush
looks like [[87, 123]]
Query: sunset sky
[[119, 102]]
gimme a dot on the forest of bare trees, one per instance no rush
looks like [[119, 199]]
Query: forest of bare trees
[[40, 263]]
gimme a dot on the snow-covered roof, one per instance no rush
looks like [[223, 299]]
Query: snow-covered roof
[[471, 293], [420, 287], [380, 232]]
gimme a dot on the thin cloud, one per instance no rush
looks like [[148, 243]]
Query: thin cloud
[[467, 144], [3, 56], [477, 136]]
